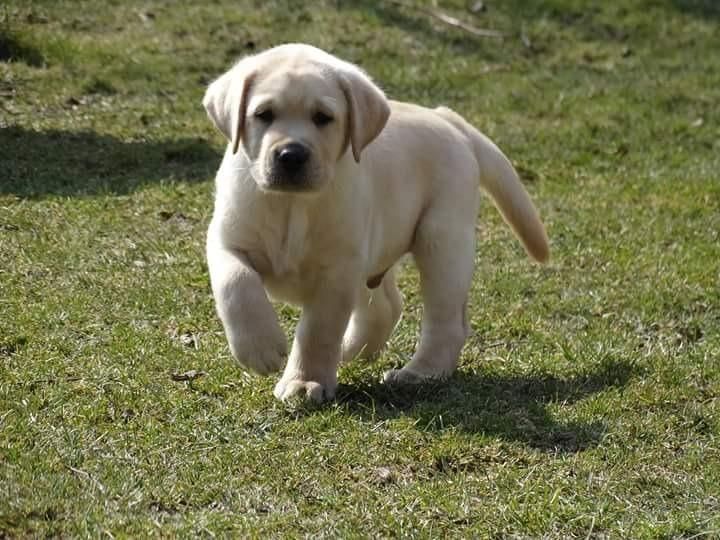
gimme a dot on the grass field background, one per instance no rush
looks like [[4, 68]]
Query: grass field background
[[587, 401]]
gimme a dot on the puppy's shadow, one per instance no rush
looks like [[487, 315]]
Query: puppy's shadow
[[37, 164], [511, 407]]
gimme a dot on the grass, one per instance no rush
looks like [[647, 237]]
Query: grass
[[587, 403]]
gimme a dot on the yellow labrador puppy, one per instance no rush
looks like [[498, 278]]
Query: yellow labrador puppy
[[324, 186]]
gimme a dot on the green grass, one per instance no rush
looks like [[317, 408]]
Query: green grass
[[587, 402]]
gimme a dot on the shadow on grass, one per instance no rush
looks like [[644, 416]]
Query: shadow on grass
[[419, 24], [35, 164], [698, 8], [513, 407], [13, 49], [584, 17]]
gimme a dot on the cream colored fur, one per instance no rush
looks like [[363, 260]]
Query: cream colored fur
[[382, 179]]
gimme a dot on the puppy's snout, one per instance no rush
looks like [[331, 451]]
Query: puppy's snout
[[291, 157], [290, 167]]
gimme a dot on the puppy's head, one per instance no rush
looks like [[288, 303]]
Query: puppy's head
[[295, 111]]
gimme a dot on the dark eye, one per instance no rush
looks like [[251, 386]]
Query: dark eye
[[266, 116], [321, 119]]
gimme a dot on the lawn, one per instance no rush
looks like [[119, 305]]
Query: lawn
[[587, 401]]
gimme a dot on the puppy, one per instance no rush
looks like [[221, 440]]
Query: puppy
[[324, 186]]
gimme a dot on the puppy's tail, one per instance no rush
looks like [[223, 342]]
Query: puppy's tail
[[499, 179]]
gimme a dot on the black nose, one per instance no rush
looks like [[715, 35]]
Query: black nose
[[292, 157]]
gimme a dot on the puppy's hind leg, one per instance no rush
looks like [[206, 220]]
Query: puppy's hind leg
[[444, 253], [373, 320]]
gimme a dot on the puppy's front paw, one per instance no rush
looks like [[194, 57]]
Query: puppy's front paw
[[401, 377], [407, 377], [304, 390], [262, 354]]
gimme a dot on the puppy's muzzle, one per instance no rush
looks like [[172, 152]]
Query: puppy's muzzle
[[291, 158], [290, 163]]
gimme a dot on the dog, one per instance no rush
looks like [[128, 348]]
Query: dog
[[324, 186]]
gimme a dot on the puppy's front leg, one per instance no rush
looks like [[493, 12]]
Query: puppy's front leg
[[311, 371], [253, 333]]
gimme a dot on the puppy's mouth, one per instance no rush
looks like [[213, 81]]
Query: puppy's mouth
[[295, 183]]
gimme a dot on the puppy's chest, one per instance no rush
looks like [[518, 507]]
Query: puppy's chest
[[293, 246], [283, 242]]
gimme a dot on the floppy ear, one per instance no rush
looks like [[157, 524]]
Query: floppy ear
[[226, 101], [368, 109]]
